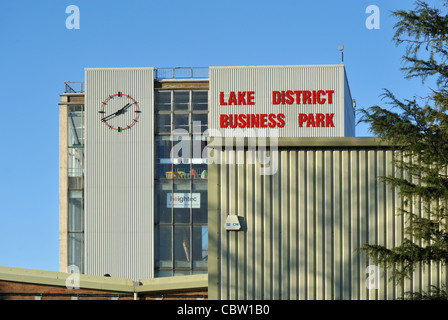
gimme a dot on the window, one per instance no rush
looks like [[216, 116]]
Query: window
[[75, 165], [75, 250], [200, 100], [75, 134], [163, 123], [163, 99], [181, 227], [75, 208], [181, 100], [181, 232], [75, 125], [181, 121], [200, 122], [75, 162], [75, 229], [180, 110]]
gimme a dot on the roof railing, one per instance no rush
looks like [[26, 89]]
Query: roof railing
[[181, 73], [159, 74], [74, 87]]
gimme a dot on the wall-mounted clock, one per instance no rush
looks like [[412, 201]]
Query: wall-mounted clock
[[119, 111]]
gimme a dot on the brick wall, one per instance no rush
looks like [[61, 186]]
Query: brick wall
[[26, 291]]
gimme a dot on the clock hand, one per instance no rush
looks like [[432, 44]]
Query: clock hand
[[118, 112], [122, 109], [111, 115]]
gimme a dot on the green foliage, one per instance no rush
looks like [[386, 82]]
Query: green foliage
[[427, 28], [417, 129], [434, 293]]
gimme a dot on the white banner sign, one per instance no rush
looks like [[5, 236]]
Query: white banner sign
[[183, 200]]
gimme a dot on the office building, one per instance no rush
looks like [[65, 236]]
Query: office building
[[251, 175]]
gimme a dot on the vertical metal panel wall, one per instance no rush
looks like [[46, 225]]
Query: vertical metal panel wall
[[303, 224], [263, 80], [349, 110], [119, 178]]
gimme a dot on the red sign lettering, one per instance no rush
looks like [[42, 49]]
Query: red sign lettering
[[243, 120], [237, 98], [302, 97], [318, 120], [276, 120]]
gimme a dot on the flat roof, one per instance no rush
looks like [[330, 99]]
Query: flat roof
[[53, 278]]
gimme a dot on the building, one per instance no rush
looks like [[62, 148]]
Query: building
[[249, 175], [26, 284], [171, 242]]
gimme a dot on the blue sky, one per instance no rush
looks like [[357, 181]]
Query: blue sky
[[38, 54]]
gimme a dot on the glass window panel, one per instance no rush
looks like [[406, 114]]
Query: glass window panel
[[75, 162], [75, 245], [199, 164], [75, 183], [199, 170], [178, 199], [181, 154], [163, 100], [199, 122], [181, 171], [163, 147], [163, 123], [163, 157], [164, 171], [75, 107], [182, 201], [200, 210], [163, 201], [75, 211], [200, 246], [182, 251], [181, 122], [164, 258], [181, 100], [200, 100], [75, 124], [164, 273]]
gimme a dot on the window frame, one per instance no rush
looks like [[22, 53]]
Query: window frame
[[193, 266]]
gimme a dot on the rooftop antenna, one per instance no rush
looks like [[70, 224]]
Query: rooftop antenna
[[341, 48]]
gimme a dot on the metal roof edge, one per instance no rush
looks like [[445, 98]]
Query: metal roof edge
[[280, 66], [182, 80], [216, 142], [54, 278], [118, 68], [199, 281]]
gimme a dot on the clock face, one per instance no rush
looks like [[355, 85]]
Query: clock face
[[119, 111]]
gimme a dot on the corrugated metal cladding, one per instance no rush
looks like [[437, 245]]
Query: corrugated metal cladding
[[349, 110], [119, 177], [263, 80], [301, 226]]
